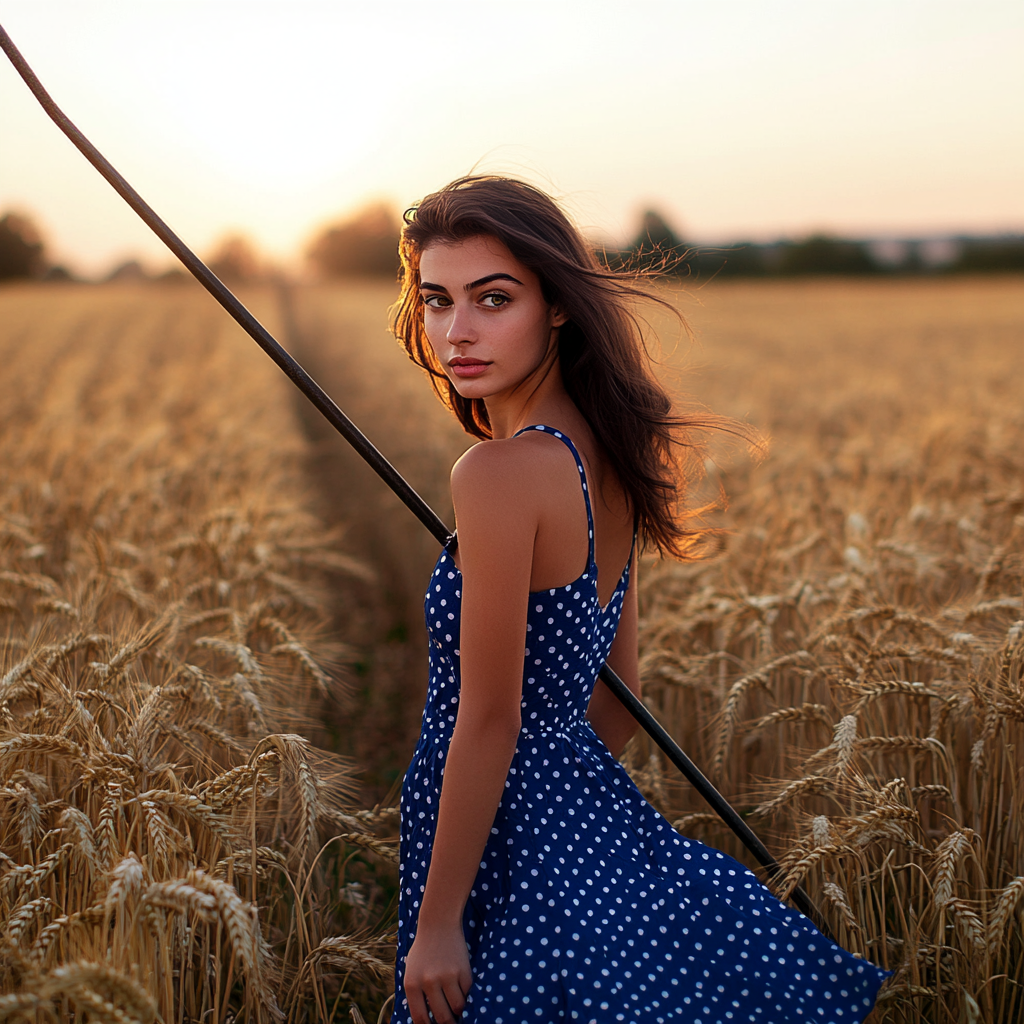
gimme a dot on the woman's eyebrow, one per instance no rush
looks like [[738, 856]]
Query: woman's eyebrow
[[489, 278], [472, 284]]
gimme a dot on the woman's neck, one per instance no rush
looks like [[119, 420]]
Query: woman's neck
[[540, 398]]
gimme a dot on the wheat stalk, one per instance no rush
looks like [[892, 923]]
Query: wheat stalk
[[41, 743], [806, 712], [873, 691], [350, 955], [1002, 913], [740, 687], [948, 855], [77, 824], [821, 831], [837, 897], [19, 921], [240, 861], [240, 923], [126, 879], [817, 785], [382, 848], [180, 897], [688, 821], [95, 987], [193, 807], [969, 924]]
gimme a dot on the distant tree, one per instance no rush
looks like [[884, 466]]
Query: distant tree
[[823, 254], [657, 232], [58, 274], [21, 248], [364, 245], [913, 262], [235, 261], [656, 246], [174, 275], [741, 259], [990, 255], [128, 272]]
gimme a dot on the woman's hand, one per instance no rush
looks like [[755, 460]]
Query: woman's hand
[[437, 975]]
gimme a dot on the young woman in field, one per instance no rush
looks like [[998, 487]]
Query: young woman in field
[[537, 884]]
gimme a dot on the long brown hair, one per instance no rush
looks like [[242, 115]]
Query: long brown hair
[[604, 362]]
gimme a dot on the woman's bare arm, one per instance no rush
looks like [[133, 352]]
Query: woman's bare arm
[[610, 720], [497, 522]]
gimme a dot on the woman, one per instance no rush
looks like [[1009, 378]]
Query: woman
[[537, 884]]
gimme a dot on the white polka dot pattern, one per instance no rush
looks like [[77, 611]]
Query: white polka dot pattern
[[588, 905]]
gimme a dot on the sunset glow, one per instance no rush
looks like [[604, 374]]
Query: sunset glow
[[736, 119]]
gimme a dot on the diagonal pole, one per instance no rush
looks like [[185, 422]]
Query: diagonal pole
[[380, 465]]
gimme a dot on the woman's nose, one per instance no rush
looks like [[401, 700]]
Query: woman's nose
[[460, 327]]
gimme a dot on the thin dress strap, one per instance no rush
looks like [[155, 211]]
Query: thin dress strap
[[591, 563]]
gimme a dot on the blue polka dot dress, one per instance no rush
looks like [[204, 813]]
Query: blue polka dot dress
[[588, 905]]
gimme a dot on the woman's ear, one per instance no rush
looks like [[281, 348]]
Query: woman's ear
[[558, 317]]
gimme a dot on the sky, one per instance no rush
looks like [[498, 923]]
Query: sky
[[737, 119]]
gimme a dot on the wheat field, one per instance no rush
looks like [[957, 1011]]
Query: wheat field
[[214, 659], [177, 843], [849, 667]]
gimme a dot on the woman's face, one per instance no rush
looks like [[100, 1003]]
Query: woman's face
[[485, 316]]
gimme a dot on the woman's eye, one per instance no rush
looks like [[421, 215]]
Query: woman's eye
[[494, 300], [436, 301]]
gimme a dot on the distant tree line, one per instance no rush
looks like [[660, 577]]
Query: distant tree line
[[657, 247], [23, 255], [366, 245]]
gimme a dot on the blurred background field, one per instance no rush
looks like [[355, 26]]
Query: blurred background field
[[214, 658]]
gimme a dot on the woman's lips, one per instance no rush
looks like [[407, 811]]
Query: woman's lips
[[469, 368]]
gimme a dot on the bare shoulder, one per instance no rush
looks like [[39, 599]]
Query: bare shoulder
[[518, 471]]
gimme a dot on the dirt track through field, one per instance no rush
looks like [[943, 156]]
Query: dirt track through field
[[340, 335]]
